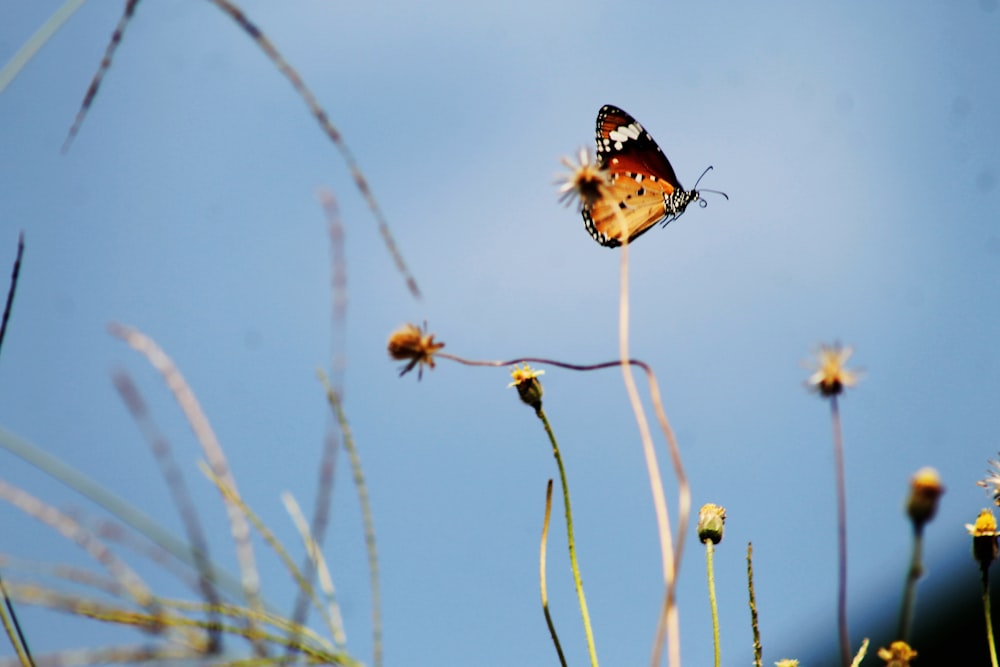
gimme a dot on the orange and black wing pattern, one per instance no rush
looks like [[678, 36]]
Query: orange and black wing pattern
[[643, 188]]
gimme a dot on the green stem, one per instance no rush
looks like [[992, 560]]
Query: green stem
[[989, 621], [569, 536], [367, 521], [910, 588], [709, 564], [838, 455], [541, 575]]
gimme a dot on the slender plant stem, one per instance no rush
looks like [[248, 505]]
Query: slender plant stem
[[710, 567], [12, 626], [910, 587], [838, 455], [989, 615], [668, 614], [367, 520], [14, 273], [28, 50], [578, 582], [753, 608], [541, 574]]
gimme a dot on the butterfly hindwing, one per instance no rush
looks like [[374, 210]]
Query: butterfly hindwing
[[640, 203]]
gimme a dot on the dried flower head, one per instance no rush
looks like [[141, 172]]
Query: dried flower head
[[831, 377], [586, 182], [711, 522], [992, 481], [528, 386], [898, 654], [925, 490], [413, 344], [984, 538]]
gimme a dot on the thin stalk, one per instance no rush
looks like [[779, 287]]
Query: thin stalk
[[910, 587], [577, 580], [989, 616], [14, 273], [28, 50], [541, 574], [710, 567], [367, 519], [838, 454], [13, 628], [753, 609], [668, 615]]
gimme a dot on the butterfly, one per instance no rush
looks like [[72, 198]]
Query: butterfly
[[642, 185]]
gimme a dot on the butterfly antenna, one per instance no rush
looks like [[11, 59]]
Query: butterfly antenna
[[702, 202], [715, 192]]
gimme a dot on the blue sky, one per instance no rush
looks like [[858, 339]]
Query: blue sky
[[858, 146]]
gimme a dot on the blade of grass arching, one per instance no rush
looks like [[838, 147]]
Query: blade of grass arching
[[102, 69], [64, 574], [124, 655], [212, 450], [366, 515], [173, 616], [314, 562], [162, 452], [269, 538], [14, 273], [117, 506], [115, 533], [333, 618], [13, 67], [338, 291], [72, 530], [101, 610], [324, 484], [13, 628], [131, 583], [280, 623], [334, 135]]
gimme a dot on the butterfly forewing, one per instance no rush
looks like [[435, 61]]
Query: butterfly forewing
[[643, 185], [624, 145]]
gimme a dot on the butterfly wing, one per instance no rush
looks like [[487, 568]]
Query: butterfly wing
[[642, 181], [636, 198]]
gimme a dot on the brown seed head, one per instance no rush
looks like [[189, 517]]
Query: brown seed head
[[412, 344]]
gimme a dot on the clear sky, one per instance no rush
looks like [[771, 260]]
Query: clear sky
[[857, 142]]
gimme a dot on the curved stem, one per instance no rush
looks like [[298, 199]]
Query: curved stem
[[541, 574], [577, 580], [668, 615]]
